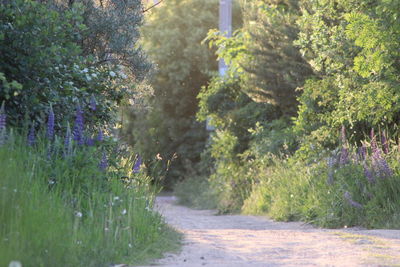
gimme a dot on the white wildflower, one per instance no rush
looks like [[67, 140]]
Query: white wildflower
[[14, 264], [123, 212], [78, 214]]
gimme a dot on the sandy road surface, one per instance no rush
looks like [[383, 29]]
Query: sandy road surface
[[236, 240]]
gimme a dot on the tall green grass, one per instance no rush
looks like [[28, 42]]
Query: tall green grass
[[329, 196], [62, 213]]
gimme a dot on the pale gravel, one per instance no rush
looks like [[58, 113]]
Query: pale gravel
[[237, 240]]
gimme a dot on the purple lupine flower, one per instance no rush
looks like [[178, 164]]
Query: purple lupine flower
[[100, 136], [136, 166], [50, 124], [79, 127], [368, 174], [384, 168], [89, 141], [352, 203], [103, 162], [31, 135], [3, 118], [344, 156], [67, 142], [362, 153], [380, 165], [93, 103], [385, 143]]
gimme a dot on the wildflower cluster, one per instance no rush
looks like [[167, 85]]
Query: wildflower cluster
[[371, 157], [73, 140]]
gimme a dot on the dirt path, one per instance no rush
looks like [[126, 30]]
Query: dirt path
[[236, 240]]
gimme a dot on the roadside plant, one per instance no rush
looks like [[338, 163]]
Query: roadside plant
[[50, 124], [31, 136]]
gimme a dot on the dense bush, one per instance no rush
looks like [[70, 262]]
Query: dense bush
[[351, 47], [50, 54]]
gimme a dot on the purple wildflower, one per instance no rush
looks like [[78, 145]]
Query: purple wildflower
[[368, 174], [89, 141], [93, 103], [103, 162], [31, 135], [79, 127], [344, 156], [136, 166], [50, 124], [100, 136], [380, 165], [3, 118], [385, 143], [352, 203], [362, 153]]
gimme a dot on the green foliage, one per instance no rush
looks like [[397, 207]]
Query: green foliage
[[276, 67], [112, 33], [263, 55], [46, 51], [353, 48], [172, 37], [248, 104], [336, 64]]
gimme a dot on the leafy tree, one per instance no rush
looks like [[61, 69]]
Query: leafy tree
[[262, 53], [353, 48], [112, 33], [172, 37], [46, 48], [275, 68]]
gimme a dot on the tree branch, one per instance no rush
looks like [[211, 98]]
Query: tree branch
[[156, 4]]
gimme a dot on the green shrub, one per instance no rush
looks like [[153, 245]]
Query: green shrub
[[42, 51]]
